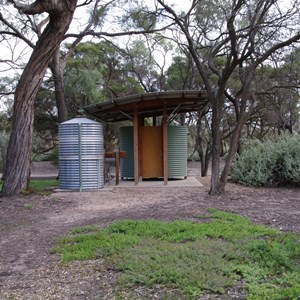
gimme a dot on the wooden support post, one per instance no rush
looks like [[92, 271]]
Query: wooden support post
[[165, 145], [136, 146], [117, 153], [153, 121]]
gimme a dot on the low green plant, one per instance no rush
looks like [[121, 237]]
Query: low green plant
[[29, 206], [43, 186], [52, 156], [84, 229], [12, 297], [39, 186], [273, 162], [208, 256]]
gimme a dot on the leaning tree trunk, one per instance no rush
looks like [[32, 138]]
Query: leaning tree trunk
[[57, 69], [204, 155], [242, 117], [216, 187], [206, 160], [234, 142], [17, 168]]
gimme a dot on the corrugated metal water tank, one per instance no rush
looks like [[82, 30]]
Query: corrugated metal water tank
[[81, 154], [127, 145], [177, 151]]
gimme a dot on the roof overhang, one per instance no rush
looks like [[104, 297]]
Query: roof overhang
[[148, 105]]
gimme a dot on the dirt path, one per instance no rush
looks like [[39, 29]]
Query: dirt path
[[30, 225]]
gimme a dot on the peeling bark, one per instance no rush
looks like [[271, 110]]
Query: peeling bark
[[16, 173], [57, 67]]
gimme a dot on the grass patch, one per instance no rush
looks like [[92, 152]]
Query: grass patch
[[29, 206], [194, 257], [43, 186], [84, 229]]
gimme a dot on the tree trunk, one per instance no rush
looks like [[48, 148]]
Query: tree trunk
[[17, 168], [216, 187], [57, 68], [202, 147], [205, 165], [234, 143]]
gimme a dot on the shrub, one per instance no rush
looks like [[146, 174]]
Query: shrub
[[4, 138], [52, 156], [273, 162]]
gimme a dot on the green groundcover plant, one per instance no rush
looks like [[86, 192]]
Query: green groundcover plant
[[217, 252], [43, 186], [272, 162]]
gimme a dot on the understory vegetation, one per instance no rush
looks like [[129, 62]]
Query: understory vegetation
[[40, 186], [43, 185], [218, 252], [268, 163]]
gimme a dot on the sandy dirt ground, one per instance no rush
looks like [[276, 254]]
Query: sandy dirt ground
[[30, 226]]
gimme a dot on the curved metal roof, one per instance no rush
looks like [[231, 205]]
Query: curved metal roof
[[148, 105]]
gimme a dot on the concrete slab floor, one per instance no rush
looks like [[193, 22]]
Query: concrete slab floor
[[190, 181]]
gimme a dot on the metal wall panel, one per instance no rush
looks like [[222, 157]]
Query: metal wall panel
[[177, 151], [127, 145]]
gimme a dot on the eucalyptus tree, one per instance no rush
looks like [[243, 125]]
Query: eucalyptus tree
[[51, 31], [125, 19], [54, 16], [140, 64], [89, 25], [97, 72], [17, 168], [244, 34], [277, 84], [278, 104], [282, 92], [182, 74]]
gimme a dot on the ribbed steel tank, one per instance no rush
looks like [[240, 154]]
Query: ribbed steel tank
[[81, 154], [127, 145], [177, 151]]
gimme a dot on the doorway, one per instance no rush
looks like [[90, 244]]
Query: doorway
[[151, 152]]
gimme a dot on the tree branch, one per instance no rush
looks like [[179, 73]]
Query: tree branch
[[108, 34], [15, 32], [273, 49], [87, 2], [40, 6], [31, 9]]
